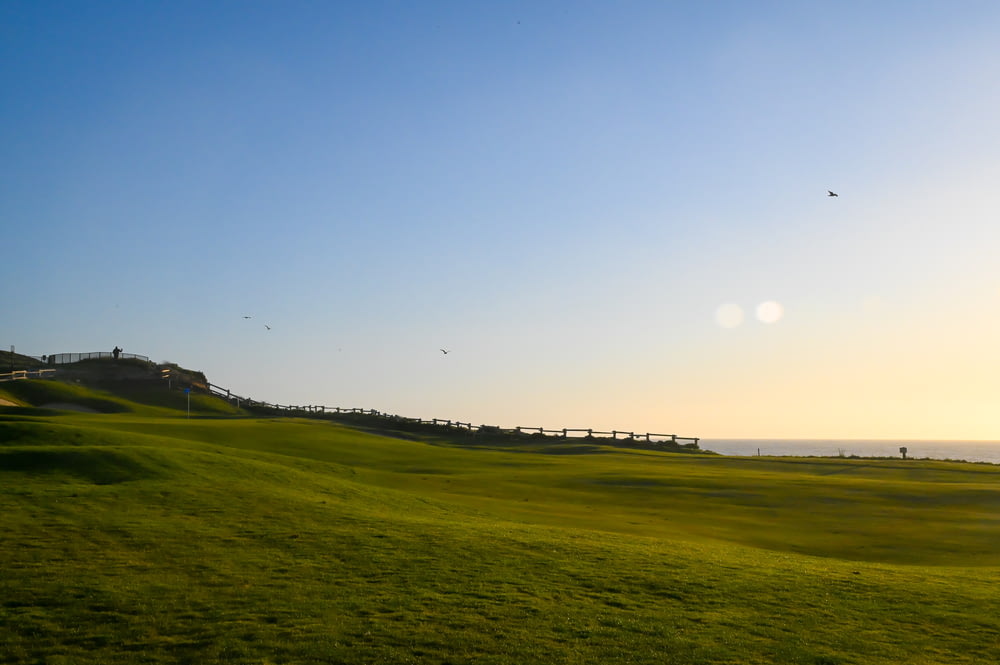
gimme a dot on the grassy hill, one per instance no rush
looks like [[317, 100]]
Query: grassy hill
[[142, 536], [123, 386]]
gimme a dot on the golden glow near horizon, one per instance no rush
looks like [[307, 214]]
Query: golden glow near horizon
[[898, 372]]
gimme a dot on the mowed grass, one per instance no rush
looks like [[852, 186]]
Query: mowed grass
[[141, 397], [137, 538]]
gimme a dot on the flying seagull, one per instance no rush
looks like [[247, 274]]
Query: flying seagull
[[444, 352], [829, 193], [247, 317], [267, 326]]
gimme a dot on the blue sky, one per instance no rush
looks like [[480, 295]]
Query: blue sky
[[562, 194]]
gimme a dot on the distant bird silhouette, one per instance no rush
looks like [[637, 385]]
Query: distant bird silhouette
[[444, 352], [829, 193], [267, 326], [247, 317]]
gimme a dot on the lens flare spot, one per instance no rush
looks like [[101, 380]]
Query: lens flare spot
[[770, 312], [729, 315]]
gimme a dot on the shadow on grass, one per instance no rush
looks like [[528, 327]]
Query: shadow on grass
[[101, 467]]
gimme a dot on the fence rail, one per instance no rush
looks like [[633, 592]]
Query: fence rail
[[20, 374], [66, 358], [649, 438]]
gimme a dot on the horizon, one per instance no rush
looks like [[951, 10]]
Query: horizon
[[547, 428], [616, 216], [576, 430]]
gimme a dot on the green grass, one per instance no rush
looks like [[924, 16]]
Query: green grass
[[140, 537], [141, 397]]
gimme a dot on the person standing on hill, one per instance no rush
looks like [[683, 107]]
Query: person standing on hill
[[115, 352]]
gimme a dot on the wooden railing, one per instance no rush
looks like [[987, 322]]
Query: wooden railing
[[649, 438], [25, 374]]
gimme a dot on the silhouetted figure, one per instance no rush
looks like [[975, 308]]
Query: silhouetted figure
[[115, 352], [829, 193]]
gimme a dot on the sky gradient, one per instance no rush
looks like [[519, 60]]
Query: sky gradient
[[613, 215]]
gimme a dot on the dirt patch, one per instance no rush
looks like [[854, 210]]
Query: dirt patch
[[7, 402]]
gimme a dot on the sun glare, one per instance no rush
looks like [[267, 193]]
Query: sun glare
[[729, 315], [770, 312]]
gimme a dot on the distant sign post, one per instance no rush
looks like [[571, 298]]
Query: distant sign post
[[187, 391]]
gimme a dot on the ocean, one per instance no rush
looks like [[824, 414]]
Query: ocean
[[969, 451]]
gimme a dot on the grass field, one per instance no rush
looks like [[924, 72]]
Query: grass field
[[141, 536]]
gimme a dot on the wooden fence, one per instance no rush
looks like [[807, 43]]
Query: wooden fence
[[651, 438], [25, 374]]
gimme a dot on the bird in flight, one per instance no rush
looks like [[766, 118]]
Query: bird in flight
[[444, 352], [247, 317], [267, 326], [829, 193]]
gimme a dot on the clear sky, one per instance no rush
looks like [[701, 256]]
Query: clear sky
[[612, 214]]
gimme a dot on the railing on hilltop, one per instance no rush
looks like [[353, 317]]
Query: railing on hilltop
[[649, 438], [66, 358]]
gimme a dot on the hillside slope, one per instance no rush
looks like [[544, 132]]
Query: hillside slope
[[117, 391], [132, 538]]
